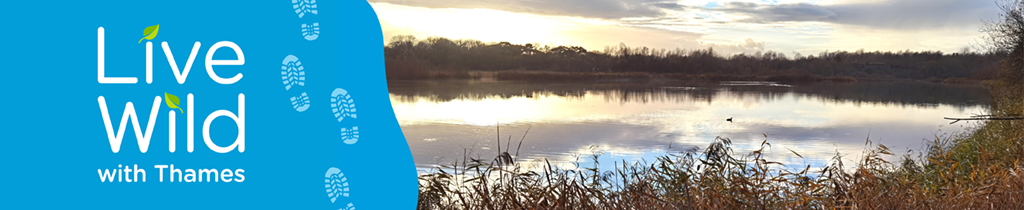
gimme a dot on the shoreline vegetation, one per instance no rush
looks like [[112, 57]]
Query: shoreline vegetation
[[979, 167]]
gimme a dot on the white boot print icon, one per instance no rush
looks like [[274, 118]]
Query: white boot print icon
[[350, 135], [311, 31], [292, 72], [301, 102], [336, 184], [302, 7], [342, 104]]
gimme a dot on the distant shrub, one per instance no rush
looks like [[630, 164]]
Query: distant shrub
[[568, 76], [955, 80]]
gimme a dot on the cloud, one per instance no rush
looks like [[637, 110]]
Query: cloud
[[607, 9], [777, 13], [668, 5], [890, 14], [676, 15], [803, 26], [744, 45], [520, 28]]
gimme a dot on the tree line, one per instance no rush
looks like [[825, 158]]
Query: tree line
[[409, 58]]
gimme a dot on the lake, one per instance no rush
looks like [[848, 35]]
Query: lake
[[445, 121]]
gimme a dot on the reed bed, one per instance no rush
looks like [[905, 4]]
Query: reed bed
[[719, 178]]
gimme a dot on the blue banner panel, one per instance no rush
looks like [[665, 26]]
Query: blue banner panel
[[200, 105]]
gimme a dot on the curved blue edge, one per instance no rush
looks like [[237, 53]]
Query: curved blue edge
[[52, 137], [397, 189]]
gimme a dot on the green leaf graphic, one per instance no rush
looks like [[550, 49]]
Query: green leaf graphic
[[150, 32], [173, 102]]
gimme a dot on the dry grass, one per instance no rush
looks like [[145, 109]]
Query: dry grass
[[718, 178]]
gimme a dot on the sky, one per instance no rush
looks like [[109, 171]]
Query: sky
[[729, 26]]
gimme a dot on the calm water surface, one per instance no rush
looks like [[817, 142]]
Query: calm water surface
[[445, 121]]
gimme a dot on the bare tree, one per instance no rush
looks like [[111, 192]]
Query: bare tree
[[1006, 35]]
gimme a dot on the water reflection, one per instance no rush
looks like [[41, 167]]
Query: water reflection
[[640, 121], [891, 93]]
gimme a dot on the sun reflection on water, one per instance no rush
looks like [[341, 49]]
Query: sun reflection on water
[[630, 125]]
